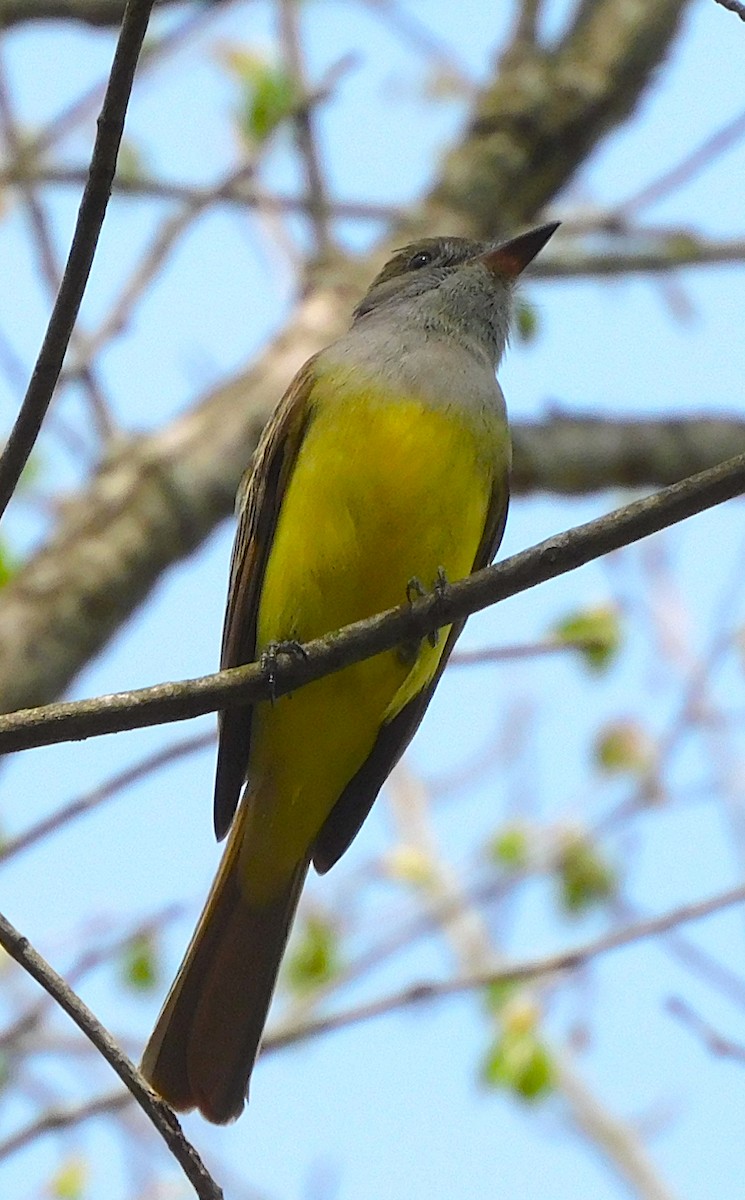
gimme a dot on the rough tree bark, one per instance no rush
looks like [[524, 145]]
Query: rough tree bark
[[155, 498]]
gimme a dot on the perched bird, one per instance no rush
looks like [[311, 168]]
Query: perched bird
[[385, 467]]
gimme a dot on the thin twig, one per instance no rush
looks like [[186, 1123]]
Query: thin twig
[[304, 123], [166, 237], [695, 688], [618, 1138], [526, 23], [154, 52], [85, 239], [105, 791], [56, 1119], [19, 948], [714, 1041], [696, 960], [493, 654], [638, 252], [734, 6], [632, 251], [687, 168], [535, 968], [406, 24], [564, 552], [49, 267], [150, 264], [476, 953], [234, 190], [87, 961]]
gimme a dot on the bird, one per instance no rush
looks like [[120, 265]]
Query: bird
[[384, 468]]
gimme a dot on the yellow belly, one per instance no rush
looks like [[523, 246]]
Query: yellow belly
[[382, 492]]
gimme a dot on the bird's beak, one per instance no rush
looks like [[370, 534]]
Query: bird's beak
[[511, 258]]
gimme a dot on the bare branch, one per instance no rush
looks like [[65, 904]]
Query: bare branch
[[628, 250], [574, 455], [410, 28], [19, 948], [477, 954], [616, 1137], [104, 792], [714, 1041], [303, 120], [531, 969], [47, 257], [639, 252], [148, 267], [564, 552], [699, 962], [91, 957], [179, 482], [56, 1119], [569, 96], [235, 189], [153, 52], [688, 167], [89, 12], [85, 239], [734, 6], [494, 654], [156, 498]]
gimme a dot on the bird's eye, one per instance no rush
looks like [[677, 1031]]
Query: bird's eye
[[422, 258]]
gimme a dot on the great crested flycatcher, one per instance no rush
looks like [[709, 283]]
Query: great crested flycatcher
[[387, 461]]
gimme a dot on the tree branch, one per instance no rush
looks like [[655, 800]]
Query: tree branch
[[629, 249], [247, 685], [85, 239], [546, 110], [89, 12], [154, 499], [423, 993], [112, 787], [56, 1119], [577, 455], [734, 6], [161, 1116]]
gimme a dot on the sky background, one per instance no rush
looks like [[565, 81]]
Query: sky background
[[394, 1107]]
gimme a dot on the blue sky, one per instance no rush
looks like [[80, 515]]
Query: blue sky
[[394, 1107]]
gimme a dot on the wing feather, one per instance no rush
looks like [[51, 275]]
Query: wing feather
[[348, 814], [259, 501]]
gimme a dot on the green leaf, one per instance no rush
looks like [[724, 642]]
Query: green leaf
[[586, 879], [314, 956], [409, 865], [130, 164], [8, 565], [268, 94], [624, 747], [509, 848], [520, 1063], [68, 1182], [526, 321], [500, 993], [596, 633], [138, 967]]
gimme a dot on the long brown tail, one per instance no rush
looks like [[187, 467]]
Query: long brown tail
[[204, 1045]]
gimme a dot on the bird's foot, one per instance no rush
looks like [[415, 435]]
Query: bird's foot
[[415, 590], [268, 661]]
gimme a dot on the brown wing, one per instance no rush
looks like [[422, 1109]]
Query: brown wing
[[260, 499], [348, 814]]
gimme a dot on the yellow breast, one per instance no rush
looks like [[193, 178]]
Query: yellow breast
[[385, 489]]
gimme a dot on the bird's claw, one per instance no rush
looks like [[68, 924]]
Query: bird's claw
[[415, 590], [268, 661]]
